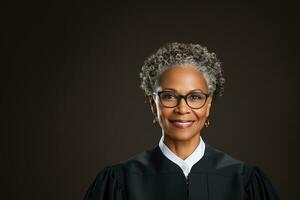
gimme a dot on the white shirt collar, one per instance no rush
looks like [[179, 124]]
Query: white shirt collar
[[187, 164]]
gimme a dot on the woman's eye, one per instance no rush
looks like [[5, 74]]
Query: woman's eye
[[168, 96], [196, 97]]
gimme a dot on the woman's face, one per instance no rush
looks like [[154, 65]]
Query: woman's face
[[182, 79]]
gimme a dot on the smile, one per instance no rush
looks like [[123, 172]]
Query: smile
[[182, 124]]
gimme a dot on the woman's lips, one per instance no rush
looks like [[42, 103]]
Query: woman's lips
[[182, 124]]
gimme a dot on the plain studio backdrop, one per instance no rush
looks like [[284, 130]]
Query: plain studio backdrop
[[72, 103]]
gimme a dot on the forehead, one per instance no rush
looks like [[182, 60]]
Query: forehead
[[182, 78]]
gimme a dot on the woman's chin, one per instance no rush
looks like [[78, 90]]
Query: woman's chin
[[181, 135]]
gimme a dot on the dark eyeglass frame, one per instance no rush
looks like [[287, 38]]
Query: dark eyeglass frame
[[179, 97]]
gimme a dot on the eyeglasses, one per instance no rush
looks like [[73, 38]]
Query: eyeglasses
[[171, 99]]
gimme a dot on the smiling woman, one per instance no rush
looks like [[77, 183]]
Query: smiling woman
[[181, 121], [181, 82]]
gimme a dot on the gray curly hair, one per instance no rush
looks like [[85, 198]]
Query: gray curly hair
[[183, 54]]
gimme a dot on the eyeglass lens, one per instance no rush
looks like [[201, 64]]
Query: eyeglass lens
[[193, 99]]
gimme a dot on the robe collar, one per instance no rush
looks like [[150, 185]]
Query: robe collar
[[187, 164]]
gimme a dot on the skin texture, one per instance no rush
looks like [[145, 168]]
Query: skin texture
[[183, 79]]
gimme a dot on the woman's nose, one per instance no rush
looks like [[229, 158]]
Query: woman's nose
[[182, 107]]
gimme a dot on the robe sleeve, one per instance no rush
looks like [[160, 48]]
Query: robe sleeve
[[260, 187], [106, 186]]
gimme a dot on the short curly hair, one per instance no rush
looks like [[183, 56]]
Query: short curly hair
[[183, 54]]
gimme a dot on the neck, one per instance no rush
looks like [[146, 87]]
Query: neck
[[182, 149]]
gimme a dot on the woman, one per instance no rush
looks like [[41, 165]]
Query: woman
[[181, 82]]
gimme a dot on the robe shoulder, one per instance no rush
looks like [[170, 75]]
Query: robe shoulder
[[219, 162], [108, 185], [259, 186], [255, 182]]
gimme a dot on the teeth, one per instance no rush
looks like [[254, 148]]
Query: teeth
[[180, 124]]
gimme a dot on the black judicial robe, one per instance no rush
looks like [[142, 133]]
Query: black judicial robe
[[152, 176]]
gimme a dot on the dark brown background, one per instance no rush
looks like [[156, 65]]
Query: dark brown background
[[72, 103]]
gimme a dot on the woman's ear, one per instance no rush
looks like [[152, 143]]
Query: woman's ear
[[152, 104]]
